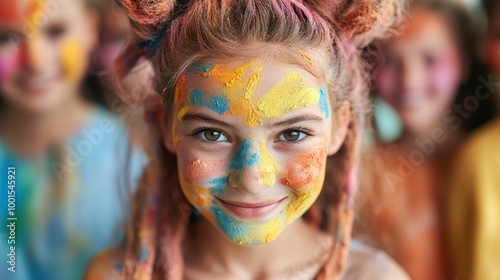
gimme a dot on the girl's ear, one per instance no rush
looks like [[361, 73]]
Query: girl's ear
[[341, 121], [167, 129]]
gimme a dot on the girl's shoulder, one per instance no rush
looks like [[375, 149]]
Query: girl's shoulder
[[106, 265], [368, 263]]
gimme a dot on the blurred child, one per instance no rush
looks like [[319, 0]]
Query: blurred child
[[473, 211], [430, 77], [64, 153]]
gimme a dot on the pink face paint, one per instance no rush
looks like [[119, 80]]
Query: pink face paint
[[8, 65], [10, 12]]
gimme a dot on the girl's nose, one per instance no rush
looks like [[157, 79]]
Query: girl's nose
[[246, 168], [34, 55], [412, 75], [249, 179]]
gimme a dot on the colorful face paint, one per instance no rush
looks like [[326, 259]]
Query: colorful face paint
[[251, 189], [287, 95]]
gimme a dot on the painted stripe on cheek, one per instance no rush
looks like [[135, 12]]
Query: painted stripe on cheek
[[268, 166]]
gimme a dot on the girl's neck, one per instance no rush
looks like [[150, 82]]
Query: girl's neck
[[431, 143], [32, 134], [299, 249]]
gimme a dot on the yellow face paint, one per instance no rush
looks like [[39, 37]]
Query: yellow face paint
[[71, 52], [239, 89], [268, 166]]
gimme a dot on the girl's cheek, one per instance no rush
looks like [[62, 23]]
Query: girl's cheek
[[445, 76], [305, 170], [385, 84], [8, 65], [200, 170]]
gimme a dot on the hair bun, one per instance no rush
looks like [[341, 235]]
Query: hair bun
[[366, 20], [148, 12], [147, 16]]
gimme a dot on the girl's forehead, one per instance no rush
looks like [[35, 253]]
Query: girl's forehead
[[255, 90], [425, 29], [34, 13], [257, 77]]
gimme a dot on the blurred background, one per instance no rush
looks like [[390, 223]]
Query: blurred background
[[71, 150]]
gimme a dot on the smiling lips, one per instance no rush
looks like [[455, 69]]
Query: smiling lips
[[251, 210]]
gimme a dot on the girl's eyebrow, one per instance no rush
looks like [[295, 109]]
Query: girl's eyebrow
[[301, 118], [193, 117]]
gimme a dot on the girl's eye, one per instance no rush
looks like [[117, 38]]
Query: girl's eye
[[430, 60], [56, 31], [9, 39], [292, 136], [212, 135]]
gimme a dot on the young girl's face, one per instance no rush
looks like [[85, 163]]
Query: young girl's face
[[422, 71], [251, 140], [44, 47]]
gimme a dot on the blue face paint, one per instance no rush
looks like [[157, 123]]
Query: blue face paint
[[200, 68], [217, 186], [232, 228], [217, 104], [243, 158], [323, 101]]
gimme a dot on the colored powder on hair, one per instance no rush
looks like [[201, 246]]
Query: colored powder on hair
[[323, 101], [305, 56], [243, 158], [72, 59], [200, 68], [351, 184], [181, 92], [144, 254], [268, 166]]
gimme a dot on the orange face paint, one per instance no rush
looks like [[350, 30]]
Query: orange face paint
[[304, 170]]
